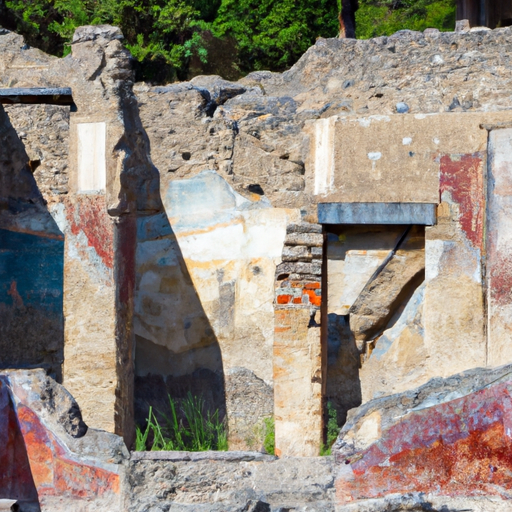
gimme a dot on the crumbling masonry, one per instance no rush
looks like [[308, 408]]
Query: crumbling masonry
[[336, 233]]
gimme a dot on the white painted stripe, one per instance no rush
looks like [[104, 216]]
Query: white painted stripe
[[324, 155]]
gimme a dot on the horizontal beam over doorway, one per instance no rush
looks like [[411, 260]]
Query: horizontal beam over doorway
[[36, 95], [423, 214]]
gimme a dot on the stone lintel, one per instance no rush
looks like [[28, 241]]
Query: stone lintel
[[37, 95], [377, 213]]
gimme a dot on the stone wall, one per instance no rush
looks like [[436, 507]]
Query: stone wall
[[232, 481], [31, 265], [87, 169], [304, 136], [233, 167]]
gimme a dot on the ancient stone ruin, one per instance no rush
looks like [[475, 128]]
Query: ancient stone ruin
[[335, 237]]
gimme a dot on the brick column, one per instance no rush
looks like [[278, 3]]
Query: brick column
[[298, 376]]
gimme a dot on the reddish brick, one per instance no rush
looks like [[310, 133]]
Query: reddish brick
[[284, 299], [297, 300], [313, 297], [313, 286]]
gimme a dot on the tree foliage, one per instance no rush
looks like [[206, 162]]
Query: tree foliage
[[273, 34], [385, 17], [172, 39]]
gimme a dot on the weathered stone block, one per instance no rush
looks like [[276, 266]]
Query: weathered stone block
[[314, 268], [211, 483], [304, 227], [316, 252], [296, 253], [309, 239]]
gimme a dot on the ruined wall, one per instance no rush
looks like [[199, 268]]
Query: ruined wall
[[31, 265], [289, 138], [88, 169], [238, 164], [446, 440]]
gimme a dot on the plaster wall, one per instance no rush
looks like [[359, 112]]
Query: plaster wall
[[428, 158], [206, 264], [31, 265], [499, 268], [205, 287]]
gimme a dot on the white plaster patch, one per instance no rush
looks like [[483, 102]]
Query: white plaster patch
[[265, 231], [374, 155], [369, 431], [437, 59], [58, 213], [91, 165], [407, 141], [223, 243], [435, 140], [365, 122], [324, 155], [433, 252]]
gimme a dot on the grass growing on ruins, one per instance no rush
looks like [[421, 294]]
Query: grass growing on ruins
[[332, 429], [187, 428], [269, 439]]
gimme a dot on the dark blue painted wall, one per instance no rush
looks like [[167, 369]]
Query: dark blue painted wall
[[31, 295]]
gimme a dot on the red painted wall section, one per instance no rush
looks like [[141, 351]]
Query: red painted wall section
[[462, 177], [459, 448], [35, 463], [88, 214], [500, 278], [53, 468], [16, 481]]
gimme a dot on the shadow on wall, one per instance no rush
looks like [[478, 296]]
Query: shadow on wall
[[343, 363], [176, 349], [31, 265]]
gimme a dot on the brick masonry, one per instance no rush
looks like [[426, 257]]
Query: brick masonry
[[297, 343]]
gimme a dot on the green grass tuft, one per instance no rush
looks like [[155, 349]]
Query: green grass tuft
[[193, 430], [269, 435], [332, 429]]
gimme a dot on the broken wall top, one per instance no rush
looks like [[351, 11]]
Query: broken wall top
[[252, 132]]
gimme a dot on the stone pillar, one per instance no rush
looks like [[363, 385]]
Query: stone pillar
[[499, 247], [298, 373], [111, 182]]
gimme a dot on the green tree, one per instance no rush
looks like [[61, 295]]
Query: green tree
[[176, 38], [273, 34], [161, 34], [385, 17]]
